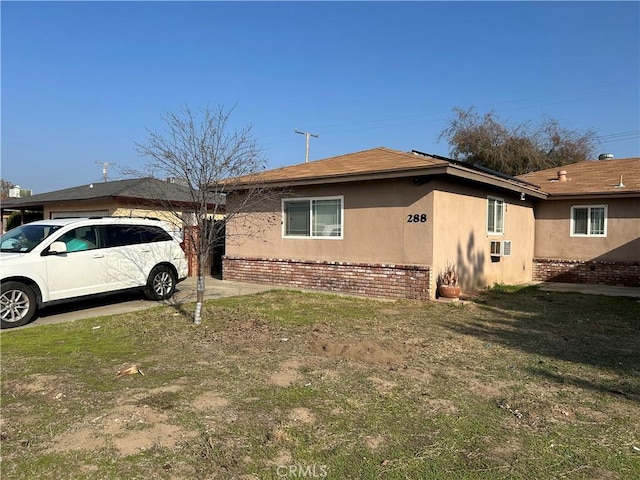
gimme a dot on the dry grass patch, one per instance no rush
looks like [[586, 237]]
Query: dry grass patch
[[517, 385]]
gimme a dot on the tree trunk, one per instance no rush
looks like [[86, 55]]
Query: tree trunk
[[197, 316]]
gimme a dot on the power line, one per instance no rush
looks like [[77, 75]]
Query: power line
[[622, 135], [433, 116], [392, 121]]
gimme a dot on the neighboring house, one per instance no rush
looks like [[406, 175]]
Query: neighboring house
[[385, 223], [134, 197], [588, 228], [140, 197], [17, 192]]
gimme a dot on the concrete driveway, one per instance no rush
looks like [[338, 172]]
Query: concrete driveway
[[134, 301]]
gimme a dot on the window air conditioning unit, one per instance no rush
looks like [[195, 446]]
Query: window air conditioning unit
[[500, 248]]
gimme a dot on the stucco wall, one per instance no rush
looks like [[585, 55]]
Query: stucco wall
[[460, 236], [112, 208], [622, 243], [380, 227], [375, 226]]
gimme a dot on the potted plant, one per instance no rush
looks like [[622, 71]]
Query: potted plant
[[448, 286]]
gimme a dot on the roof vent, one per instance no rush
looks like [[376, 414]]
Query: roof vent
[[605, 156], [562, 175]]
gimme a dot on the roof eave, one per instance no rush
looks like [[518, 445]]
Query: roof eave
[[590, 195], [515, 185], [431, 170], [342, 178]]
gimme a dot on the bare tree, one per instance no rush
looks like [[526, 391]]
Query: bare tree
[[515, 150], [5, 186], [201, 151]]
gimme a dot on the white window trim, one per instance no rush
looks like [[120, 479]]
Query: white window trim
[[504, 216], [588, 235], [310, 200]]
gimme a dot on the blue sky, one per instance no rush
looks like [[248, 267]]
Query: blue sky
[[81, 81]]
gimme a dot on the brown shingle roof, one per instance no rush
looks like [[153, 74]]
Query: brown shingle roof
[[376, 160], [590, 177], [378, 164], [135, 189]]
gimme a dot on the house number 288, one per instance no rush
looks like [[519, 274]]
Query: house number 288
[[416, 218]]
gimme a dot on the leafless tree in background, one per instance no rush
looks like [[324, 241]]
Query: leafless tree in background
[[5, 186], [202, 152], [515, 150]]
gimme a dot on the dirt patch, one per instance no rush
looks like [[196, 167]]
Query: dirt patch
[[302, 415], [374, 442], [383, 386], [128, 428], [283, 457], [483, 388], [50, 387], [438, 405], [287, 375], [508, 449], [366, 352], [210, 401]]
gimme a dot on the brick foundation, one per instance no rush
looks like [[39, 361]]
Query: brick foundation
[[373, 280], [595, 272]]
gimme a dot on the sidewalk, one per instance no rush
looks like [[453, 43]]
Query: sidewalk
[[216, 288], [589, 289], [134, 301]]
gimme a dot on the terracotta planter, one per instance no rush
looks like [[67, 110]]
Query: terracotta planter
[[448, 291]]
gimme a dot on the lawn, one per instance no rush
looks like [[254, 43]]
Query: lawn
[[519, 383]]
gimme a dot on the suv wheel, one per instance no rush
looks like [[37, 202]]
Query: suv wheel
[[161, 283], [17, 304]]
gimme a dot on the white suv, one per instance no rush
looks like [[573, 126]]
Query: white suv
[[57, 260]]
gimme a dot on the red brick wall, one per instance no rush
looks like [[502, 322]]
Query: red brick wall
[[596, 272], [374, 280], [189, 242]]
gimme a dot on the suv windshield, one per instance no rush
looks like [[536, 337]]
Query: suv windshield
[[25, 238]]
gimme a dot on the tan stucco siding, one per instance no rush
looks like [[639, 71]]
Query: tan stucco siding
[[460, 237], [52, 210], [377, 230], [172, 218], [113, 209], [553, 238], [375, 226]]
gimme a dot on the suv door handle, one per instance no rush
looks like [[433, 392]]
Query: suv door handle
[[98, 255]]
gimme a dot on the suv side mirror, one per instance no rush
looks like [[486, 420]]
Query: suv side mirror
[[57, 248]]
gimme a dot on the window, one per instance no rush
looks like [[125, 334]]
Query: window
[[495, 216], [313, 217], [122, 235], [81, 238], [589, 221], [25, 238]]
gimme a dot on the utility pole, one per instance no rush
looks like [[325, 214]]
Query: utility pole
[[105, 166], [307, 135]]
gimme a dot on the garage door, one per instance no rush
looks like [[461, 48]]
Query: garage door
[[87, 213]]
